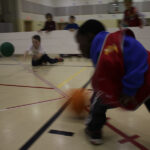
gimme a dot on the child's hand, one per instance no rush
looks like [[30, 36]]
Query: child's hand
[[125, 100], [72, 30]]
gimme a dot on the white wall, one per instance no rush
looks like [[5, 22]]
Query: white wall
[[43, 2], [59, 42]]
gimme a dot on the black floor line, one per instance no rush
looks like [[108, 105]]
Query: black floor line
[[32, 140]]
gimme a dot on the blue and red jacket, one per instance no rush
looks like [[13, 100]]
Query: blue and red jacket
[[122, 67]]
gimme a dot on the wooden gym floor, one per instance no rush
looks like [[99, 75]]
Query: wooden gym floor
[[31, 96]]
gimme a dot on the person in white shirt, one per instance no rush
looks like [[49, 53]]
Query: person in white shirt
[[39, 57]]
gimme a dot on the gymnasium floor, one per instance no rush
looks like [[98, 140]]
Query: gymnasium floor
[[31, 96]]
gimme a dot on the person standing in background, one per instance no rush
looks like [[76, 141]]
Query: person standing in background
[[49, 24], [132, 18]]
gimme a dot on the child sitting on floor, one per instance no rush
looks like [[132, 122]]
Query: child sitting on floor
[[39, 56]]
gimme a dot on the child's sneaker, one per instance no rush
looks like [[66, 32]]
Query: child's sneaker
[[60, 59], [94, 136]]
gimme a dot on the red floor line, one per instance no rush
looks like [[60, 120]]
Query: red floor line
[[129, 138], [19, 106], [140, 146], [26, 86], [126, 137]]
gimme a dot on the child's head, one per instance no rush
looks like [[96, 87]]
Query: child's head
[[72, 19], [128, 3], [36, 40], [49, 17], [86, 34], [129, 32]]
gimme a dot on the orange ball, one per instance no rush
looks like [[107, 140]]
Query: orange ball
[[78, 99]]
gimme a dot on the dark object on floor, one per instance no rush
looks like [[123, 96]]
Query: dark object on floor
[[65, 133]]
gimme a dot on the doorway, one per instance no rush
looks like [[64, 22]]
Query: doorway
[[28, 25]]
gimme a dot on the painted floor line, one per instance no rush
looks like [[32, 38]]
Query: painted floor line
[[26, 86], [30, 104]]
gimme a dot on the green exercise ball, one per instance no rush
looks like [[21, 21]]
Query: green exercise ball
[[7, 49]]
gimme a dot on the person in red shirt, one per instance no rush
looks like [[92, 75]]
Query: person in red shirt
[[131, 15], [121, 76], [49, 24]]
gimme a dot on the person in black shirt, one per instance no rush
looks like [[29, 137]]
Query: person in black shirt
[[49, 24]]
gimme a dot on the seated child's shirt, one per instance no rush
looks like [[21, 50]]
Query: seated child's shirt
[[35, 51]]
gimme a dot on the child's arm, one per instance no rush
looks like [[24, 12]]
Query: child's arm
[[135, 62], [25, 54]]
